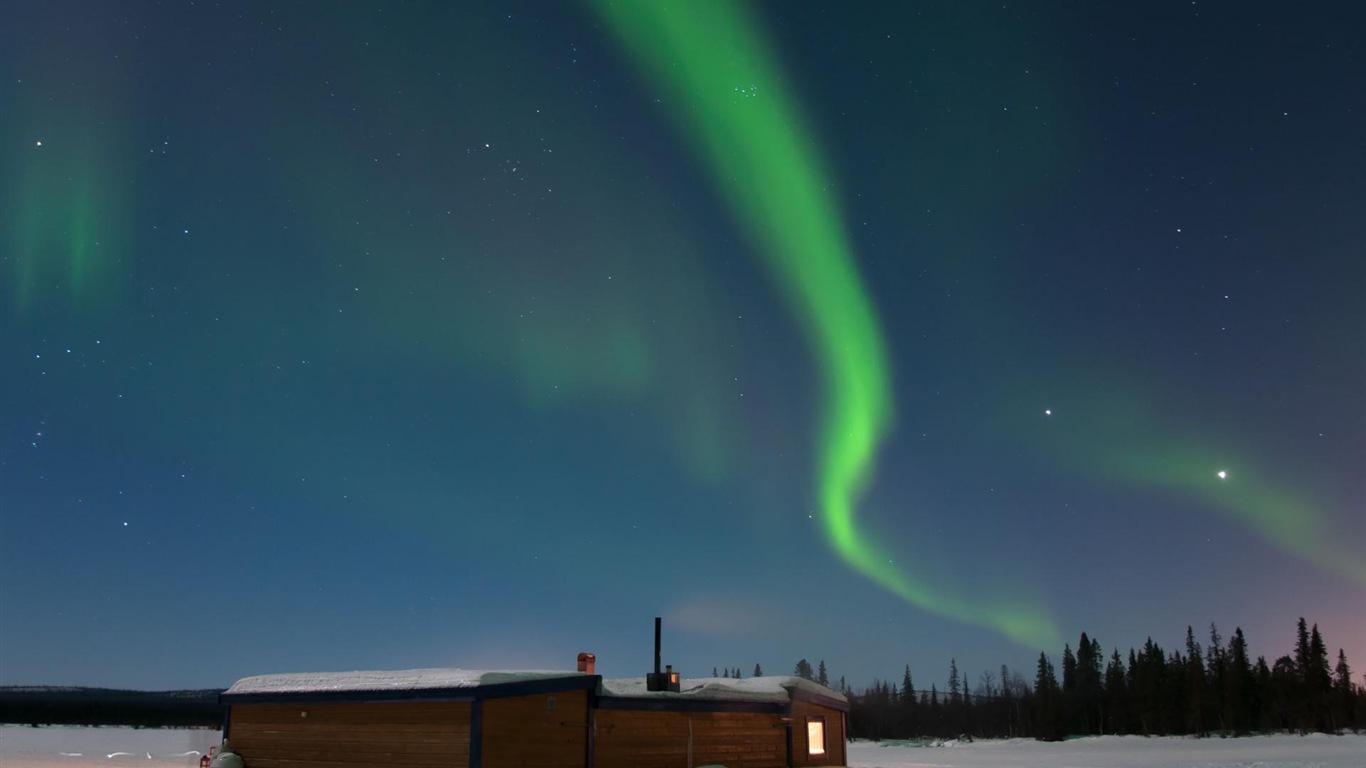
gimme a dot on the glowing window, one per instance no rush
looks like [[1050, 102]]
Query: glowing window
[[815, 736]]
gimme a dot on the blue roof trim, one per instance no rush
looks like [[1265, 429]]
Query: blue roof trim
[[477, 735], [476, 693]]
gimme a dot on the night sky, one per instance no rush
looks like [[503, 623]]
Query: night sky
[[381, 335]]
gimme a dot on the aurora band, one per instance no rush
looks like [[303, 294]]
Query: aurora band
[[731, 101]]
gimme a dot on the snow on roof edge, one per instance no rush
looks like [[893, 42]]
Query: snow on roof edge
[[391, 680], [775, 689]]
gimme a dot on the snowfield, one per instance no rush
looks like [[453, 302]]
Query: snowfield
[[59, 745], [1313, 751], [22, 747]]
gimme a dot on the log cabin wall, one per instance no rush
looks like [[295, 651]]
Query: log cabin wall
[[548, 730], [349, 735], [555, 723], [651, 739], [802, 713]]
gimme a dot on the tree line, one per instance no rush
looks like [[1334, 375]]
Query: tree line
[[36, 705], [1201, 689]]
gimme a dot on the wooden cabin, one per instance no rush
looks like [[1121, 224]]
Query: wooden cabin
[[452, 717]]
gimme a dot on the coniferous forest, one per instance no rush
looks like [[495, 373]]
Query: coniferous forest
[[1211, 686], [62, 705]]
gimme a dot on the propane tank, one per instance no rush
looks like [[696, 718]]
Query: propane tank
[[226, 758]]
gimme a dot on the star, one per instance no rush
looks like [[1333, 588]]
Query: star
[[1048, 411], [1223, 475]]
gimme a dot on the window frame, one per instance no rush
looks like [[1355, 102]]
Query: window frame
[[822, 749]]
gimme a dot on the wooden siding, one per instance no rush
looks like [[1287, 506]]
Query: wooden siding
[[540, 731], [636, 739], [802, 711], [351, 735]]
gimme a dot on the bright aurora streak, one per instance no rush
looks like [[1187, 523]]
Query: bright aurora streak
[[728, 91]]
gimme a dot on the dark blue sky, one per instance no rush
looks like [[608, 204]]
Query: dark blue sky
[[343, 336]]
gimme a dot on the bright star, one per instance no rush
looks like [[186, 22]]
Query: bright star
[[1222, 474], [1048, 411]]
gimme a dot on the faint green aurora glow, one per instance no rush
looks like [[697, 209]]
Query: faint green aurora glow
[[64, 217], [1121, 434], [1246, 493], [57, 226], [724, 85]]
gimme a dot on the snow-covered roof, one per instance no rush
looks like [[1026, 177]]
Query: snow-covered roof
[[777, 689], [770, 689], [398, 680]]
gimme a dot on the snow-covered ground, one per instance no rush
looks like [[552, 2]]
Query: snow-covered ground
[[52, 746], [60, 745], [1314, 751]]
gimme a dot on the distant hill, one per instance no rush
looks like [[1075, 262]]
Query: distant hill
[[66, 705]]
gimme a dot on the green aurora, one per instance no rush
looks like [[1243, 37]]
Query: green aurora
[[553, 306], [1247, 494], [732, 98], [1231, 482], [66, 187], [70, 224], [1117, 434]]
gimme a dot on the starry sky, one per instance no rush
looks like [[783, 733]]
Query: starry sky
[[390, 335]]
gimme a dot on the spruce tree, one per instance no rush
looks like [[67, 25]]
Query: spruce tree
[[936, 714], [910, 711], [1302, 673], [1090, 659], [1238, 693], [1173, 693], [1148, 686], [1116, 696], [1011, 704], [1068, 701], [1069, 669], [820, 675], [803, 670], [1217, 682], [1319, 682], [953, 702], [1343, 714], [1289, 692], [1266, 719], [954, 683], [1302, 648], [1047, 707], [967, 717], [1194, 684], [758, 671]]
